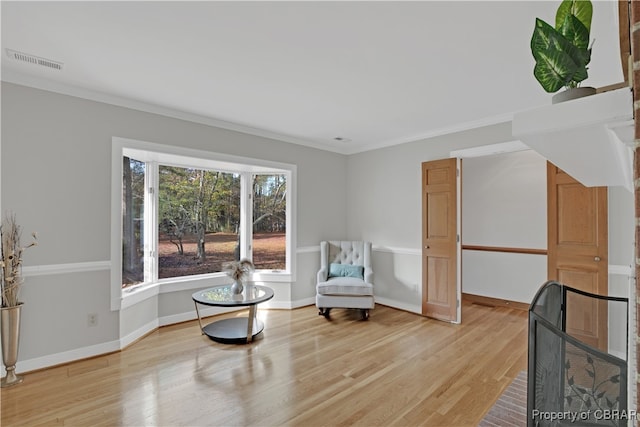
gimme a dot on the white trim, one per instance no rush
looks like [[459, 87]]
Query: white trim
[[51, 360], [137, 295], [307, 249], [412, 308], [13, 77], [446, 130], [154, 152], [489, 150], [622, 270], [67, 356], [397, 251], [138, 333], [276, 305], [302, 302], [192, 315], [76, 267], [64, 89], [386, 249]]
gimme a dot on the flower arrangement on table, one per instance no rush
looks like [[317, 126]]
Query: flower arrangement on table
[[239, 271], [11, 260]]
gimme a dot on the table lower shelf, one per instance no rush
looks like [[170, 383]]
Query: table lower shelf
[[232, 331]]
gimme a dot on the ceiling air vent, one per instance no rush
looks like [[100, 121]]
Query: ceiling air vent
[[32, 59]]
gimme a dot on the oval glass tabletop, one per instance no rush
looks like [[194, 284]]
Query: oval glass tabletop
[[222, 295]]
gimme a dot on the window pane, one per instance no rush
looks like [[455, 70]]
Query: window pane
[[270, 222], [132, 221], [198, 220]]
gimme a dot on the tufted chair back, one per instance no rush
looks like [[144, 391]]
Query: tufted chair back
[[346, 252]]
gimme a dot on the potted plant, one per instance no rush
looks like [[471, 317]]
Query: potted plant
[[10, 282], [238, 271], [562, 53]]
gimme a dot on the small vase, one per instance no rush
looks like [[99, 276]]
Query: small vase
[[573, 93], [10, 341], [237, 287]]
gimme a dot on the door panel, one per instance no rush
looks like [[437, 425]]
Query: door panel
[[440, 249], [578, 249]]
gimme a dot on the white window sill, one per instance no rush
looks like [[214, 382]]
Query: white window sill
[[137, 294]]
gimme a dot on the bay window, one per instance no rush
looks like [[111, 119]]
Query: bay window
[[185, 212]]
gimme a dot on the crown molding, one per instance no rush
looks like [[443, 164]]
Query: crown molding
[[28, 80], [23, 79]]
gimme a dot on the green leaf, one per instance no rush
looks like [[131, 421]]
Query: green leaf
[[558, 62], [581, 9], [591, 374], [541, 40], [554, 70], [575, 31]]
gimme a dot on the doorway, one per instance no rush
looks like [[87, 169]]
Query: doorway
[[513, 213], [502, 242]]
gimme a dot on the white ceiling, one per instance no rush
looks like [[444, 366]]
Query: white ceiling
[[377, 73]]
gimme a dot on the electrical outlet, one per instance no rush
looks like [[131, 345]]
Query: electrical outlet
[[92, 319]]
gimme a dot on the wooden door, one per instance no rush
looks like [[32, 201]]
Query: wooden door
[[440, 240], [578, 252]]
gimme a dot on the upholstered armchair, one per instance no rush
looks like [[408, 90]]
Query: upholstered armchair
[[345, 278]]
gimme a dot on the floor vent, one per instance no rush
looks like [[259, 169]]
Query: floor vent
[[32, 59]]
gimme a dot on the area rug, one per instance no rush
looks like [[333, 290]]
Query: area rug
[[511, 407]]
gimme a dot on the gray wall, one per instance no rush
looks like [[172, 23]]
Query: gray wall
[[385, 206], [56, 169], [504, 204], [56, 166]]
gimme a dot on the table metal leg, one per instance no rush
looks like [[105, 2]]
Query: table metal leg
[[250, 320], [199, 318]]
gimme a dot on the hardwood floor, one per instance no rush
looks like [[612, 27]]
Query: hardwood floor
[[397, 369]]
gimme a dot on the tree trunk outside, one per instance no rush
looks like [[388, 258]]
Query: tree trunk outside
[[201, 219]]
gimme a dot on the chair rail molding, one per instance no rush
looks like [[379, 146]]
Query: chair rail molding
[[76, 267]]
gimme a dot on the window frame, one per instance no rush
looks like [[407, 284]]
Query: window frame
[[155, 154]]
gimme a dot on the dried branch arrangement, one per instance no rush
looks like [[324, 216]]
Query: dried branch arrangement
[[238, 270], [11, 261]]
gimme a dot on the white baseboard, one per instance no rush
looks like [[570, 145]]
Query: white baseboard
[[191, 315], [66, 356], [303, 302], [412, 308], [117, 345]]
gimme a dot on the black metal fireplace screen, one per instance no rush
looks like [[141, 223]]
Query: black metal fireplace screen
[[577, 374]]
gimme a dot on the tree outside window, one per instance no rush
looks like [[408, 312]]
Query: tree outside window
[[194, 222]]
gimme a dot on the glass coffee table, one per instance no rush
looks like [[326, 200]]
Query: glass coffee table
[[235, 330]]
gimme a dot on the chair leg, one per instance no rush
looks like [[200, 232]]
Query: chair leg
[[364, 314], [324, 312]]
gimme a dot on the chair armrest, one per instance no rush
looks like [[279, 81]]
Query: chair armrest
[[322, 275]]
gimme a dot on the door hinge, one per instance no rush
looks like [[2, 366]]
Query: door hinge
[[457, 172], [457, 238], [457, 303], [150, 190]]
